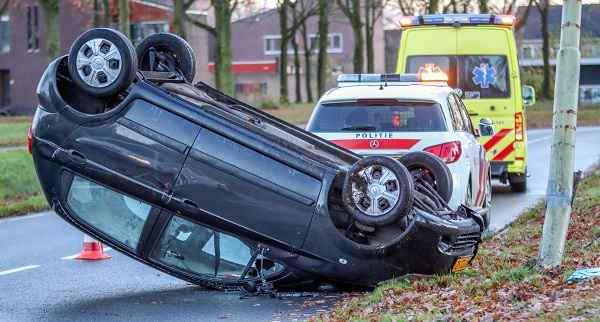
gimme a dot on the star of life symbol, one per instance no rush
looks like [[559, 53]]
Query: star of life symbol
[[484, 75], [374, 144], [430, 69]]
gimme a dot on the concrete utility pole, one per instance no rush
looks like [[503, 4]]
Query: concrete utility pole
[[564, 122]]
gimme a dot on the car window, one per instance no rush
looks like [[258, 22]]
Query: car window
[[464, 114], [478, 76], [116, 215], [458, 123], [377, 115], [205, 252]]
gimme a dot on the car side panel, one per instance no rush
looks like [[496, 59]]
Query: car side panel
[[230, 182]]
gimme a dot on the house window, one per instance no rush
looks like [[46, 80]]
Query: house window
[[334, 43], [143, 29], [273, 45], [4, 35], [528, 52], [33, 30]]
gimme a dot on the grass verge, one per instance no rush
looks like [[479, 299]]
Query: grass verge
[[20, 191], [14, 130], [540, 115], [504, 281]]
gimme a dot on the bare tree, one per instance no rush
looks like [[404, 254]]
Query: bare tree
[[123, 17], [51, 22], [352, 10], [325, 7], [4, 7], [222, 34], [373, 12], [543, 7], [101, 13], [308, 52]]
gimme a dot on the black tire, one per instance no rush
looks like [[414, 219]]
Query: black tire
[[102, 62], [386, 181], [433, 170], [518, 182], [164, 52]]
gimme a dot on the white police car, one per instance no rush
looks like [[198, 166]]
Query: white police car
[[393, 114]]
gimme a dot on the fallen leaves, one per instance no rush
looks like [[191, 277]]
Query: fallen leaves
[[504, 282]]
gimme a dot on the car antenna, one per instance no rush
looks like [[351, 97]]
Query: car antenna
[[385, 80]]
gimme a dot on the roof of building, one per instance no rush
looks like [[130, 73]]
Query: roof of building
[[590, 22]]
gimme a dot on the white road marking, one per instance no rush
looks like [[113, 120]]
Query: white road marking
[[14, 270], [23, 217], [73, 256]]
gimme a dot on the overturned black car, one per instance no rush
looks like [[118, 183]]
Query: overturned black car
[[211, 190]]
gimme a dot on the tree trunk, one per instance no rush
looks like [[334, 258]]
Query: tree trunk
[[351, 8], [124, 18], [369, 22], [223, 46], [325, 8], [106, 16], [546, 86], [179, 19], [483, 6], [297, 69], [308, 50], [51, 22], [283, 56]]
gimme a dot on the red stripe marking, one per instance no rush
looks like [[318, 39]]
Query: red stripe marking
[[383, 143], [496, 138], [504, 153]]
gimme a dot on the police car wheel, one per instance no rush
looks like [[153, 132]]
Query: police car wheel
[[164, 52], [428, 167], [102, 62], [378, 191]]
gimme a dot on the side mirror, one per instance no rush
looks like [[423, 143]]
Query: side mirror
[[486, 127], [528, 95]]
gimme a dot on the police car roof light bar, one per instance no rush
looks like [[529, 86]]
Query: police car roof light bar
[[373, 78]]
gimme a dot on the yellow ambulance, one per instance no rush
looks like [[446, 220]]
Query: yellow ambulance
[[478, 53]]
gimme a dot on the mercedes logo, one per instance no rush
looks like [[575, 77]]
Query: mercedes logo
[[374, 144]]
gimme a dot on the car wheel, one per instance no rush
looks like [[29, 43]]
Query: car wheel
[[378, 191], [518, 182], [426, 166], [102, 62], [164, 52]]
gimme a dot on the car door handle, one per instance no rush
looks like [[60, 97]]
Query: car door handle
[[76, 156], [190, 205]]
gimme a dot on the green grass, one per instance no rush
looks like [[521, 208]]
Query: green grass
[[540, 115], [14, 133], [297, 113], [20, 191]]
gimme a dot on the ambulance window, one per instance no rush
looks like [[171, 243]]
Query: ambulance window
[[478, 76]]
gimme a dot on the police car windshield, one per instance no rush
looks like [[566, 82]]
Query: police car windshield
[[477, 76], [373, 115]]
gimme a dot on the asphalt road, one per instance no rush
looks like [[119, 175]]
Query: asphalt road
[[39, 281]]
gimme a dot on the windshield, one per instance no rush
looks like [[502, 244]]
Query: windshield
[[477, 76], [377, 115]]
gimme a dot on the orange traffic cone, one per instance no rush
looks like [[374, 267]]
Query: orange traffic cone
[[92, 249]]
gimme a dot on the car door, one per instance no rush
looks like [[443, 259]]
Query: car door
[[471, 147]]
